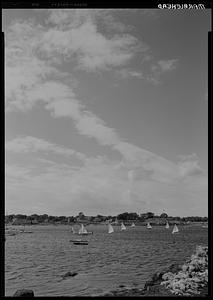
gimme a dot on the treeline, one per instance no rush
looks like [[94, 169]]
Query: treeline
[[149, 215], [126, 216]]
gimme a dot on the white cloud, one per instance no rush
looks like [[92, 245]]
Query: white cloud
[[30, 144], [33, 81], [189, 165], [160, 68], [33, 58], [100, 186], [92, 49], [167, 65], [125, 73], [72, 18]]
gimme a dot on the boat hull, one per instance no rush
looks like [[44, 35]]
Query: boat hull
[[79, 242]]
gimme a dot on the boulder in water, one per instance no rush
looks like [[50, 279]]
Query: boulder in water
[[24, 293], [69, 274]]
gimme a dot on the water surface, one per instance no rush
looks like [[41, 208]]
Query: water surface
[[37, 261]]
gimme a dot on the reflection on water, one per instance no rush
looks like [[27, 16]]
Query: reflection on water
[[37, 261]]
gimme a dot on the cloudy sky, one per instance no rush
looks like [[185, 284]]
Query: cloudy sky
[[106, 111]]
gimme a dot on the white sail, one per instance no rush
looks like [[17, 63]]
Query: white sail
[[149, 226], [123, 227], [73, 230], [175, 229], [133, 225], [110, 229], [167, 225], [82, 230]]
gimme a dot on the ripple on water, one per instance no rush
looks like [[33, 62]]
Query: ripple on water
[[128, 258]]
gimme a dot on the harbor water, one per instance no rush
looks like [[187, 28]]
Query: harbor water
[[38, 260]]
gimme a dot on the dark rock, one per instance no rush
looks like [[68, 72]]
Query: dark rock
[[69, 274], [174, 268], [203, 291], [157, 277], [24, 293], [148, 284]]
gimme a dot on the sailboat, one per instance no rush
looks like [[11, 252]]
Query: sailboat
[[175, 229], [133, 225], [167, 225], [73, 230], [83, 231], [123, 227], [205, 225], [24, 230], [149, 226], [110, 228]]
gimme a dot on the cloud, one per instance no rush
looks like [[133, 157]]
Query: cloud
[[142, 161], [160, 68], [125, 73], [100, 186], [36, 80], [29, 144], [92, 50], [189, 165], [72, 18], [167, 65], [34, 56]]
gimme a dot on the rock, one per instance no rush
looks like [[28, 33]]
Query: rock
[[168, 276], [148, 284], [157, 276], [69, 274], [24, 293], [174, 268]]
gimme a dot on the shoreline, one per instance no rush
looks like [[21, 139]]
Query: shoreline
[[189, 279]]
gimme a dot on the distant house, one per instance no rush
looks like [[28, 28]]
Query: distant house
[[147, 215], [97, 219], [34, 222], [83, 219]]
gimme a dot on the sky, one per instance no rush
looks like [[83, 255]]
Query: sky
[[106, 111]]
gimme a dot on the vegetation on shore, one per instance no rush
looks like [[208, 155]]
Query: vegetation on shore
[[126, 217], [191, 279]]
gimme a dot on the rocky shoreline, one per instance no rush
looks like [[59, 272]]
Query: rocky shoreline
[[190, 279]]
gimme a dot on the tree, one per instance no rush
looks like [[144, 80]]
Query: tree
[[81, 215], [20, 216], [150, 215], [163, 215], [123, 216], [71, 219], [133, 216]]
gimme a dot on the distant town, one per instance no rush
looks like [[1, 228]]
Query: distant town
[[126, 217]]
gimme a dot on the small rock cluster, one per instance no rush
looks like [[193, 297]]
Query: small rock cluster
[[191, 278], [24, 293]]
